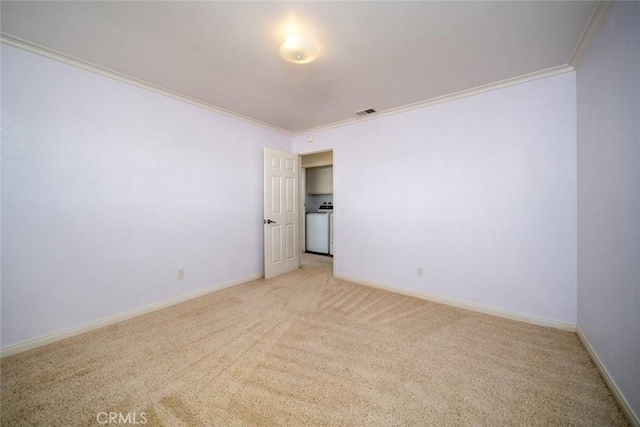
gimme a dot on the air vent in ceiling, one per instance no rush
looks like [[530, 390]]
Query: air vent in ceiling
[[365, 112]]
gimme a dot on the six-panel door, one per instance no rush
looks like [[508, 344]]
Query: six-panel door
[[281, 253]]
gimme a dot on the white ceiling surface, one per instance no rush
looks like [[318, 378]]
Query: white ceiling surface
[[372, 54]]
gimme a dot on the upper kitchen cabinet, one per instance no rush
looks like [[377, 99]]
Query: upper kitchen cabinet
[[320, 180]]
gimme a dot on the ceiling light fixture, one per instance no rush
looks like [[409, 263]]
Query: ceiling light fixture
[[298, 49]]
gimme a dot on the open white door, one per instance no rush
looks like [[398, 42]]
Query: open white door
[[281, 253]]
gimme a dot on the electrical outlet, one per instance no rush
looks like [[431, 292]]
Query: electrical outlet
[[420, 272], [181, 273]]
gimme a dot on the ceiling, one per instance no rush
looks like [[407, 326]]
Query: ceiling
[[382, 55]]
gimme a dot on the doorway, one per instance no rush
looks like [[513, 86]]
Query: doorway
[[317, 230]]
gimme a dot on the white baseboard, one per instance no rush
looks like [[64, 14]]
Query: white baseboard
[[96, 324], [626, 408], [485, 309]]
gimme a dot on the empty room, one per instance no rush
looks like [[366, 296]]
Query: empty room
[[320, 213]]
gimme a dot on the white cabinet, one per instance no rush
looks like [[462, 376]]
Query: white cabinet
[[324, 180], [320, 180]]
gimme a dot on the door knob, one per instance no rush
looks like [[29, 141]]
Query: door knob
[[269, 222]]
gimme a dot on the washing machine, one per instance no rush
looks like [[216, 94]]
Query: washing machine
[[317, 232], [331, 234]]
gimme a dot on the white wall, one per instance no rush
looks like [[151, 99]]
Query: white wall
[[108, 189], [480, 191], [608, 85]]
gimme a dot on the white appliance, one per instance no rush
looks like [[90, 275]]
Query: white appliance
[[317, 235], [331, 234]]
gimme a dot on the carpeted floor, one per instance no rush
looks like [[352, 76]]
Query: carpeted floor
[[306, 349]]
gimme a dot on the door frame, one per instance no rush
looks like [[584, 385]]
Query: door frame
[[302, 198]]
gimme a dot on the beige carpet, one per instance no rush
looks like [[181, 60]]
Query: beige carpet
[[305, 349]]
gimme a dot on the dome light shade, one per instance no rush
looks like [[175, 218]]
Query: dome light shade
[[298, 49]]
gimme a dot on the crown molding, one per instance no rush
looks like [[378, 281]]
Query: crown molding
[[19, 43], [549, 72], [598, 15], [70, 60]]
